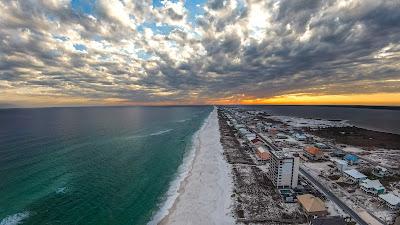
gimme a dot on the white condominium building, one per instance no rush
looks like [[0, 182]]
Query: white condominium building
[[284, 169]]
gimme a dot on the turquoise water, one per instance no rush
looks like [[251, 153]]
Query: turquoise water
[[95, 165]]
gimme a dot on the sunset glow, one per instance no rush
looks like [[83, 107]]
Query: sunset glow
[[164, 52]]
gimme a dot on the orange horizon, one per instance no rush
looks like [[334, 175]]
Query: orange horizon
[[373, 99]]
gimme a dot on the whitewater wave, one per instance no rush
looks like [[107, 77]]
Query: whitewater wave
[[152, 134], [14, 219], [61, 190], [181, 121], [183, 171]]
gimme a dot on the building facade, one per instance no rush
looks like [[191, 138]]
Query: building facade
[[284, 169]]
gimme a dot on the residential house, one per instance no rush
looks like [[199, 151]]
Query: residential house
[[321, 146], [372, 186], [380, 171], [256, 142], [338, 153], [391, 200], [354, 176], [281, 136], [299, 137], [313, 153], [351, 159], [262, 153], [312, 206], [341, 165]]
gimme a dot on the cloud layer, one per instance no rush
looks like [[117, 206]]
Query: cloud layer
[[220, 50]]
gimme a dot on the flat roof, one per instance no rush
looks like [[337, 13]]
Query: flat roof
[[282, 155]]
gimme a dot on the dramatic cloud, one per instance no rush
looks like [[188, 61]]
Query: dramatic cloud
[[196, 52]]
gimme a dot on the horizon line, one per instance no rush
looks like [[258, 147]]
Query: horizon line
[[194, 105]]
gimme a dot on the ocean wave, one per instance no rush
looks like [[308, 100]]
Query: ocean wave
[[160, 132], [152, 134], [181, 121], [183, 171], [173, 191], [14, 219], [61, 190]]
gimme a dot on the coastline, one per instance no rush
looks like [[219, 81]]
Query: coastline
[[204, 196]]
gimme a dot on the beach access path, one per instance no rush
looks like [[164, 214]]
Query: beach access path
[[205, 194]]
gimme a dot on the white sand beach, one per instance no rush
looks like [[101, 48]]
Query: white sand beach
[[205, 194]]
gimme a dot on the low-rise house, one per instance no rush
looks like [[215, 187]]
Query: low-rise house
[[262, 153], [372, 186], [250, 137], [256, 142], [321, 146], [341, 165], [351, 159], [380, 171], [313, 153], [312, 206], [391, 200], [354, 176], [329, 220], [299, 137], [281, 136], [338, 153]]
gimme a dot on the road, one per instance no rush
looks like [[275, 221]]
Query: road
[[317, 184], [333, 197]]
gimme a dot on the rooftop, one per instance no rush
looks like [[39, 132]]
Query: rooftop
[[351, 157], [355, 174], [312, 150], [372, 184], [281, 155], [311, 203], [390, 198]]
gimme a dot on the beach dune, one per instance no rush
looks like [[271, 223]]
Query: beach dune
[[205, 194]]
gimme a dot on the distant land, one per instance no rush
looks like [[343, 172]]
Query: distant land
[[7, 105], [340, 106]]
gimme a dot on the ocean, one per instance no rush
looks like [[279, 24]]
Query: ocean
[[92, 165], [385, 120]]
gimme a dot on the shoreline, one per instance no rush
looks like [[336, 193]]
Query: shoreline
[[174, 190], [204, 195]]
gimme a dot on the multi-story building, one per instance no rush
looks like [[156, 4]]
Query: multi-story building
[[284, 169]]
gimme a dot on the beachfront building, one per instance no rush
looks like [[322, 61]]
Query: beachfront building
[[380, 171], [391, 200], [341, 165], [354, 176], [312, 206], [284, 169], [372, 186], [351, 159], [262, 153], [313, 153]]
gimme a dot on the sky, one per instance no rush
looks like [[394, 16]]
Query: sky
[[172, 52]]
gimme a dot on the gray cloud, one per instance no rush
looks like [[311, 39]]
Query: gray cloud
[[257, 48]]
